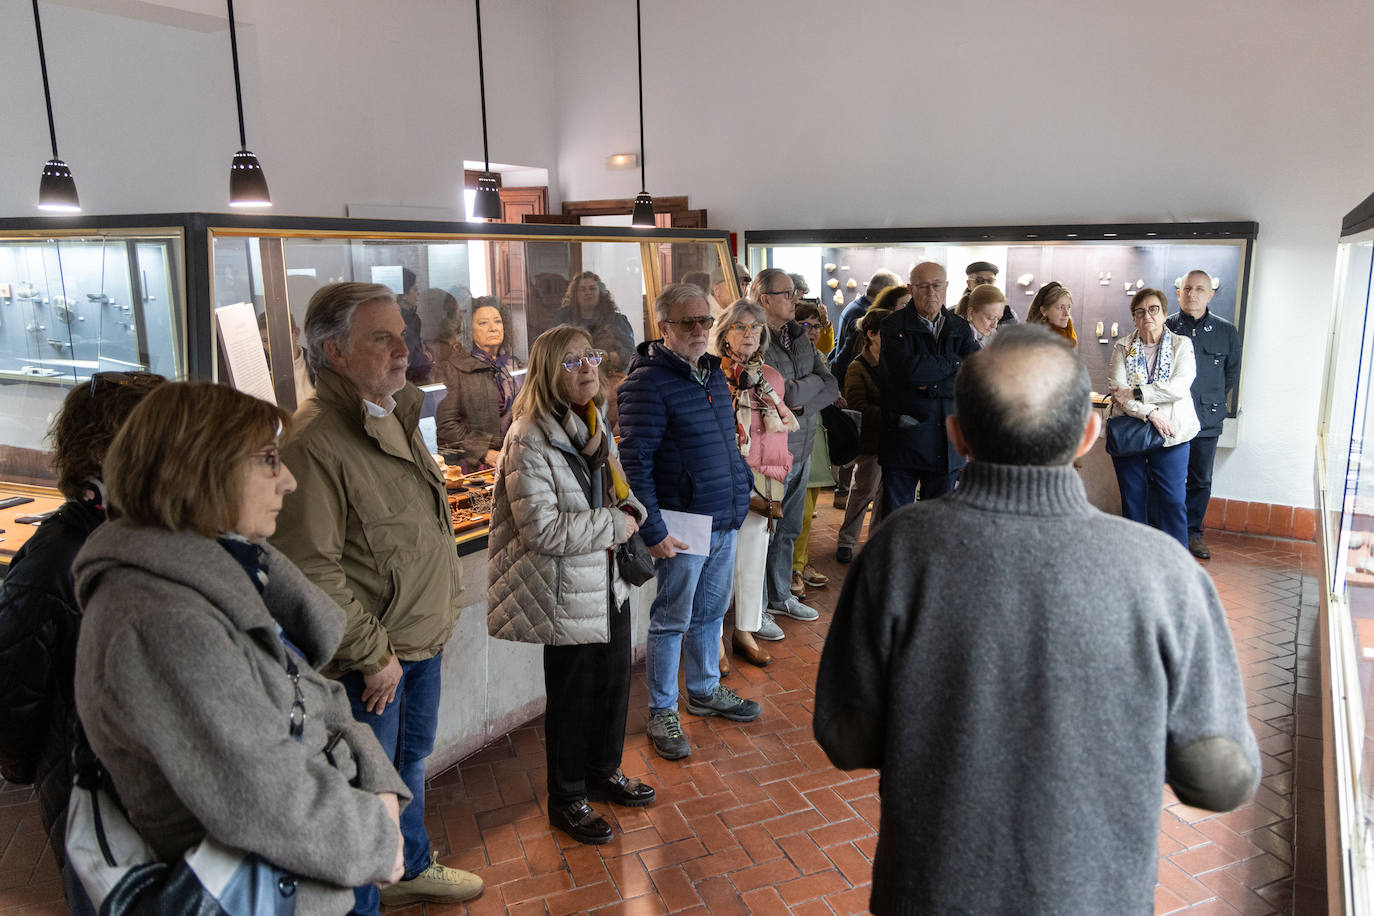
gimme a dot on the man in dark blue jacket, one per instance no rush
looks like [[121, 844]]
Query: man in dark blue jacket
[[923, 346], [1216, 348], [679, 450]]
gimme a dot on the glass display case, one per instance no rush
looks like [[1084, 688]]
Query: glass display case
[[1344, 486], [1101, 265], [108, 292]]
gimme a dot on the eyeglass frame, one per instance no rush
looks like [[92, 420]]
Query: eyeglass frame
[[1153, 308], [592, 357], [753, 328], [705, 322]]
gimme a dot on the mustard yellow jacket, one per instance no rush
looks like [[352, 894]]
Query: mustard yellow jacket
[[370, 525]]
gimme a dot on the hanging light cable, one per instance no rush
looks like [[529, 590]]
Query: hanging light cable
[[57, 187], [247, 183], [644, 204], [487, 203]]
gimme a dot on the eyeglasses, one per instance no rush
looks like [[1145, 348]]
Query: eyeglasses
[[747, 328], [935, 287], [1153, 309], [808, 325], [789, 293], [592, 358], [701, 321], [100, 379], [271, 457]]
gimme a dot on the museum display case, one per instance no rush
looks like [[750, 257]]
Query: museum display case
[[84, 294], [1101, 265], [1344, 488]]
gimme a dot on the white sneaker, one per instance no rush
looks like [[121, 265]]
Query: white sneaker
[[796, 610]]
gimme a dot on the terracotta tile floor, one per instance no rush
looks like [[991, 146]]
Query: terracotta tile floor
[[757, 821]]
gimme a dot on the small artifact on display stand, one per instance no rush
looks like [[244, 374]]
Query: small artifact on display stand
[[1216, 283], [34, 327], [1115, 331], [832, 283], [851, 283], [1024, 281], [839, 298], [1178, 283], [26, 290], [1140, 284], [5, 292], [830, 268], [1101, 338], [1127, 287], [470, 498]]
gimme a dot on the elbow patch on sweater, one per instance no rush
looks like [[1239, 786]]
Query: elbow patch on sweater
[[1212, 773]]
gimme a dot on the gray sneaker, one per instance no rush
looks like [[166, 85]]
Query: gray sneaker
[[769, 629], [665, 730], [796, 610], [725, 703]]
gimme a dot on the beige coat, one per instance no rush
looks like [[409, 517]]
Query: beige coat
[[551, 565], [183, 689], [369, 523], [1173, 397]]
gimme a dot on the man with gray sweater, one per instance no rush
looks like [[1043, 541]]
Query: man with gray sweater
[[1026, 711]]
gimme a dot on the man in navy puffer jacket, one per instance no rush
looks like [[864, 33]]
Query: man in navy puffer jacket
[[679, 451]]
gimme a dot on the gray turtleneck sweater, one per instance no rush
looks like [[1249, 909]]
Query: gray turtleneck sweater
[[1027, 672]]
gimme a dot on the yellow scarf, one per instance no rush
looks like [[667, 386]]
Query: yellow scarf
[[622, 489]]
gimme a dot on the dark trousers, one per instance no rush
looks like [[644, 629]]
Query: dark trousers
[[589, 698], [1158, 476], [899, 486], [1201, 453]]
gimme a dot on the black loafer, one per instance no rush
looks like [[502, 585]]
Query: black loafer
[[622, 790], [579, 821]]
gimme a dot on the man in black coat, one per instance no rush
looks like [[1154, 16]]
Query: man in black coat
[[1216, 347], [923, 346]]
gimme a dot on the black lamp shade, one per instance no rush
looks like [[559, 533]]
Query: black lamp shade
[[644, 211], [57, 189], [487, 203], [247, 184]]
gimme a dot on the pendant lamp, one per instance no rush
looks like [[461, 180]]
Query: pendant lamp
[[247, 184], [644, 204], [57, 188], [487, 203]]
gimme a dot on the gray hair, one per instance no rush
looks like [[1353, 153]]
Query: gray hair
[[800, 283], [763, 280], [738, 311], [329, 316], [881, 281], [676, 294]]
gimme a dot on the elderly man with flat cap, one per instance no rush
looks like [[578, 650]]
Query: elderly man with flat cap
[[1025, 717], [982, 273]]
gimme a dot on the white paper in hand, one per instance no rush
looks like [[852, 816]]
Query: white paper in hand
[[691, 529]]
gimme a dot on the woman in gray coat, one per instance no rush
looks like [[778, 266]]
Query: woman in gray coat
[[195, 665], [561, 507]]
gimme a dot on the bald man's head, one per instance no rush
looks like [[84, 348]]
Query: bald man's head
[[1023, 399]]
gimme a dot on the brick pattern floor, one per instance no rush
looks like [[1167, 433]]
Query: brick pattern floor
[[757, 821]]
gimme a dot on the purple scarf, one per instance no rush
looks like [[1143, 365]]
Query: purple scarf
[[505, 384]]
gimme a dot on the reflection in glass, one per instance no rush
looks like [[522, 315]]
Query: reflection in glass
[[588, 304], [481, 384]]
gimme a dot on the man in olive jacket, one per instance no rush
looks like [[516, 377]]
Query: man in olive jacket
[[369, 524]]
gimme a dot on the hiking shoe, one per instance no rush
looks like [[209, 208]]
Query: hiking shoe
[[725, 703], [1198, 548], [436, 884], [796, 610], [813, 577], [798, 586], [769, 629], [665, 731]]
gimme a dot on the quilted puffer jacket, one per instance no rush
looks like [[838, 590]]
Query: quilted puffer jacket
[[552, 570], [39, 621], [677, 436]]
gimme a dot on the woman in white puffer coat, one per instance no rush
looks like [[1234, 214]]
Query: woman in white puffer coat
[[561, 507]]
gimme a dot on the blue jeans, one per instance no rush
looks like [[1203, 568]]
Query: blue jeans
[[1158, 477], [786, 530], [899, 486], [405, 729], [693, 593]]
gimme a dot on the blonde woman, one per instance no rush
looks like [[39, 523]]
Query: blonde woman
[[561, 507]]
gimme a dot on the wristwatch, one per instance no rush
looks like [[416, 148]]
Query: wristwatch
[[1135, 393]]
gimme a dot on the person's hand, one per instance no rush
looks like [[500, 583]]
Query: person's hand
[[491, 457], [1119, 395], [1166, 429], [380, 689], [666, 548], [631, 526], [393, 810], [841, 403]]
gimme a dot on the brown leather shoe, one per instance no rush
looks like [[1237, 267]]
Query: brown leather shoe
[[754, 655]]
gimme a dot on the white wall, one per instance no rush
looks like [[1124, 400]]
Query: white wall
[[885, 113], [346, 101]]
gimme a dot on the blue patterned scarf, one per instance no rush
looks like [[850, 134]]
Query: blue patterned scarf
[[1138, 370]]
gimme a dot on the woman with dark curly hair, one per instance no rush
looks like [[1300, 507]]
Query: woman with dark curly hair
[[39, 615]]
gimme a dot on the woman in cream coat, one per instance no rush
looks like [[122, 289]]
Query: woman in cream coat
[[1151, 379], [561, 507]]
